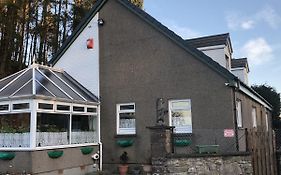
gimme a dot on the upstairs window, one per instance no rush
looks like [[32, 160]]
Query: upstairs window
[[239, 114], [254, 117], [180, 115], [126, 121]]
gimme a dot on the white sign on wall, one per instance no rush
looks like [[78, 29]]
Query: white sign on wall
[[228, 133]]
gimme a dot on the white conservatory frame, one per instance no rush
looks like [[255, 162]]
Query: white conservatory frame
[[34, 99]]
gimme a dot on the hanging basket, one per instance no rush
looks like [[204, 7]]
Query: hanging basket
[[7, 155], [182, 142], [55, 154], [125, 142], [86, 150]]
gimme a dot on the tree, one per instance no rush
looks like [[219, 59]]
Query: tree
[[273, 97]]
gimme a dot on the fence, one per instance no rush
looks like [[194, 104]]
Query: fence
[[210, 141], [262, 149]]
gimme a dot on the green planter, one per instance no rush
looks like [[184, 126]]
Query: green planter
[[86, 150], [55, 154], [182, 142], [203, 149], [7, 155], [125, 142]]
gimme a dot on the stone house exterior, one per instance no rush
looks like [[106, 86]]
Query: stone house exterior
[[134, 61]]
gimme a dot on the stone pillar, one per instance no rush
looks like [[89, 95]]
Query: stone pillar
[[161, 147]]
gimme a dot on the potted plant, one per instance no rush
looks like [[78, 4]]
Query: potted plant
[[123, 167]]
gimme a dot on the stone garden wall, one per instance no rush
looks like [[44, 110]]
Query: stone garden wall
[[204, 164]]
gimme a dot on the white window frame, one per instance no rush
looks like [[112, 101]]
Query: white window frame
[[254, 116], [128, 131], [239, 117], [266, 121], [180, 129]]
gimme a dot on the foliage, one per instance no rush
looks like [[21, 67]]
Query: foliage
[[36, 29], [138, 3], [273, 97], [124, 158]]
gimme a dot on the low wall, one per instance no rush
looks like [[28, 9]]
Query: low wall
[[39, 162], [203, 164]]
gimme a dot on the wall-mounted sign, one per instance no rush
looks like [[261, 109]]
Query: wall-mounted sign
[[228, 133]]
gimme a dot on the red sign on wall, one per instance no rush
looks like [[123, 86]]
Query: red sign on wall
[[228, 133]]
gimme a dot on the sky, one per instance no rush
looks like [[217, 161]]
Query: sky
[[254, 27]]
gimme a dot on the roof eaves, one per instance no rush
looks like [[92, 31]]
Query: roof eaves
[[181, 42], [255, 93], [84, 22]]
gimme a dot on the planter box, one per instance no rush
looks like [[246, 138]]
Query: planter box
[[203, 149]]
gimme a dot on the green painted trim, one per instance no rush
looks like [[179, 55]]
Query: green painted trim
[[182, 142], [86, 150], [7, 155], [55, 154], [125, 142]]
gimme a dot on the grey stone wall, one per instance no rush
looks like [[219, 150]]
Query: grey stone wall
[[205, 165]]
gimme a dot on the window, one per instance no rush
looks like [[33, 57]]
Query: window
[[84, 129], [126, 122], [227, 62], [92, 110], [4, 107], [254, 116], [20, 106], [239, 114], [78, 109], [52, 129], [46, 106], [266, 121], [180, 115], [63, 108]]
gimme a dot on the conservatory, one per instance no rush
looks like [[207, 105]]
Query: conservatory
[[45, 108]]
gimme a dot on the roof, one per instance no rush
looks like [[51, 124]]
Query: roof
[[159, 27], [44, 81], [212, 40], [152, 21], [239, 62]]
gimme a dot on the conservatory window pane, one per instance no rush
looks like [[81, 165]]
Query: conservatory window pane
[[78, 108], [45, 106], [52, 129], [20, 106], [4, 107], [84, 129], [92, 110], [14, 130], [63, 108]]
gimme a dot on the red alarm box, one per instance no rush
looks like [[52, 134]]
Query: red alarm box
[[90, 43]]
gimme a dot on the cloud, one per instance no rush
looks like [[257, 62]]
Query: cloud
[[258, 51], [184, 32], [237, 22], [247, 24], [267, 15]]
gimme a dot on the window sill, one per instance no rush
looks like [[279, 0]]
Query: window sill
[[125, 135]]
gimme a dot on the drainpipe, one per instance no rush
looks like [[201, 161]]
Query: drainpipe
[[235, 86]]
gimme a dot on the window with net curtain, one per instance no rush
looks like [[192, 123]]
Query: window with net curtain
[[180, 115], [126, 121]]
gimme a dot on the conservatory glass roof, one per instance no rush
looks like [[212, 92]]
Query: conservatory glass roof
[[43, 81]]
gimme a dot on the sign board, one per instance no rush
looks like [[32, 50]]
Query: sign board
[[228, 133]]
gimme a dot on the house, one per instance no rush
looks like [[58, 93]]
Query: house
[[130, 61], [136, 60]]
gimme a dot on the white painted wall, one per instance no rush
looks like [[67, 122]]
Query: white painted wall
[[217, 53], [82, 63], [241, 73]]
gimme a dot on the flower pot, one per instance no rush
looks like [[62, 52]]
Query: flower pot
[[123, 169]]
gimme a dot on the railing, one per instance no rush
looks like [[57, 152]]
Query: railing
[[210, 141]]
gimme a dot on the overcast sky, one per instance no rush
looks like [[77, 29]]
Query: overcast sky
[[254, 27]]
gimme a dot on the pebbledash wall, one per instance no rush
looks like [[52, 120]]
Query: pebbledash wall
[[207, 165]]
